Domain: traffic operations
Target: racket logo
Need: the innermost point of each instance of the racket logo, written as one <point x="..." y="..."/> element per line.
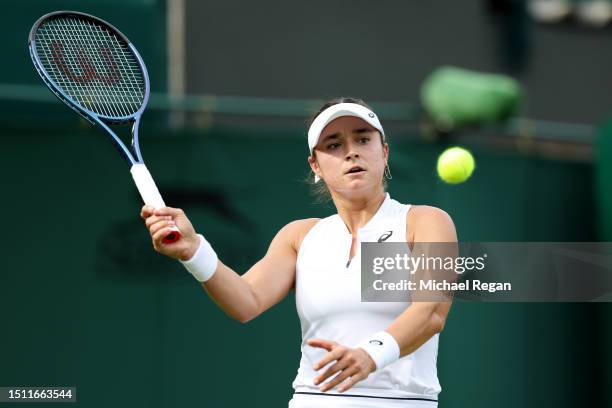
<point x="89" y="72"/>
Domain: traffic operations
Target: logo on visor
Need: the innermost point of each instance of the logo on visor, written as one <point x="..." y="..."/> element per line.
<point x="371" y="115"/>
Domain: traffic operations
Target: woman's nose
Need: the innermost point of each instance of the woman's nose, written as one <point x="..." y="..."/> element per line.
<point x="352" y="154"/>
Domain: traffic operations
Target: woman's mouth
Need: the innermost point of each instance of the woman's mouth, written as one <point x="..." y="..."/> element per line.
<point x="355" y="170"/>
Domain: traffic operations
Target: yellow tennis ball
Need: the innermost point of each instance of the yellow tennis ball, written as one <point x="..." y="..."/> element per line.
<point x="455" y="165"/>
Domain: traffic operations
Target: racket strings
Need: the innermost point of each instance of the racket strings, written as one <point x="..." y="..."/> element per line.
<point x="92" y="65"/>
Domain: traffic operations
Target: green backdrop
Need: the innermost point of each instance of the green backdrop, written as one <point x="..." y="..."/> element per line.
<point x="86" y="302"/>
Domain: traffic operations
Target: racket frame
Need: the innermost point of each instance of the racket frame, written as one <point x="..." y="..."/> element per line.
<point x="132" y="157"/>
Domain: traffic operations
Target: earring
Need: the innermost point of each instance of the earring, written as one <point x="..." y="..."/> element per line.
<point x="387" y="173"/>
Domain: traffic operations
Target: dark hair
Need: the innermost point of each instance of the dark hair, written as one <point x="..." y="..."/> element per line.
<point x="319" y="190"/>
<point x="335" y="101"/>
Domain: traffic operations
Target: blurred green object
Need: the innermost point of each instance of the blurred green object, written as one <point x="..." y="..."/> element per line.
<point x="455" y="97"/>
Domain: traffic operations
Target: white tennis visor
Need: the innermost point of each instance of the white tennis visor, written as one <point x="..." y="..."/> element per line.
<point x="336" y="111"/>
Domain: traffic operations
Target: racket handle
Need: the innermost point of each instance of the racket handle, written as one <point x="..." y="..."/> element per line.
<point x="151" y="196"/>
<point x="173" y="236"/>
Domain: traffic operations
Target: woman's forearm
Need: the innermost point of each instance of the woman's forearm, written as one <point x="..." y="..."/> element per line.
<point x="232" y="294"/>
<point x="417" y="324"/>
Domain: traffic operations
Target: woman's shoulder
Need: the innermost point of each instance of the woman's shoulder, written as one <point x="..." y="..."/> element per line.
<point x="427" y="213"/>
<point x="303" y="224"/>
<point x="296" y="230"/>
<point x="430" y="220"/>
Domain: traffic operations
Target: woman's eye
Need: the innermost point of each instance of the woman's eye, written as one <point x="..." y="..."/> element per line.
<point x="333" y="146"/>
<point x="364" y="140"/>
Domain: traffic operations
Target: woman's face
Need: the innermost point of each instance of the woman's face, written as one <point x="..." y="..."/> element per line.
<point x="350" y="155"/>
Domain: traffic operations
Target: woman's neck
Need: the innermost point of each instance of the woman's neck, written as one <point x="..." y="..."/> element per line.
<point x="357" y="211"/>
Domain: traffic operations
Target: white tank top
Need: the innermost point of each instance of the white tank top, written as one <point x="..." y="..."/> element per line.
<point x="328" y="302"/>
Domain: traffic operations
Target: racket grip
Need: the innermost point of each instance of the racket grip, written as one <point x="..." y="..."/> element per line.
<point x="151" y="196"/>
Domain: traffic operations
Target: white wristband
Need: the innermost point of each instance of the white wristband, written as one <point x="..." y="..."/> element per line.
<point x="203" y="263"/>
<point x="382" y="347"/>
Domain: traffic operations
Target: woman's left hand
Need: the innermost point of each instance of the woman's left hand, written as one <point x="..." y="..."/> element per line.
<point x="354" y="364"/>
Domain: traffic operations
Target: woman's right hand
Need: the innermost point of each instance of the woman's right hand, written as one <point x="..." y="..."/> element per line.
<point x="160" y="223"/>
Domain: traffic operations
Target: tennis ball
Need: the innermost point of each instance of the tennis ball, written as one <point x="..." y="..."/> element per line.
<point x="455" y="165"/>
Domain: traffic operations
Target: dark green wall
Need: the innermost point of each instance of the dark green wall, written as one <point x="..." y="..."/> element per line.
<point x="86" y="302"/>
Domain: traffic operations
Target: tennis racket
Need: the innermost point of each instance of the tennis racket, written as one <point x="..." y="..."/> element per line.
<point x="95" y="70"/>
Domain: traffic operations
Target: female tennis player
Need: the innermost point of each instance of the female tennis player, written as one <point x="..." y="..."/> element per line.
<point x="354" y="354"/>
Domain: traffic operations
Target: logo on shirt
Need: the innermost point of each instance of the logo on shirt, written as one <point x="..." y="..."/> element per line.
<point x="385" y="236"/>
<point x="376" y="342"/>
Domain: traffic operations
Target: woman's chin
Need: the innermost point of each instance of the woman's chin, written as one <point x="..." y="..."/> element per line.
<point x="356" y="186"/>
